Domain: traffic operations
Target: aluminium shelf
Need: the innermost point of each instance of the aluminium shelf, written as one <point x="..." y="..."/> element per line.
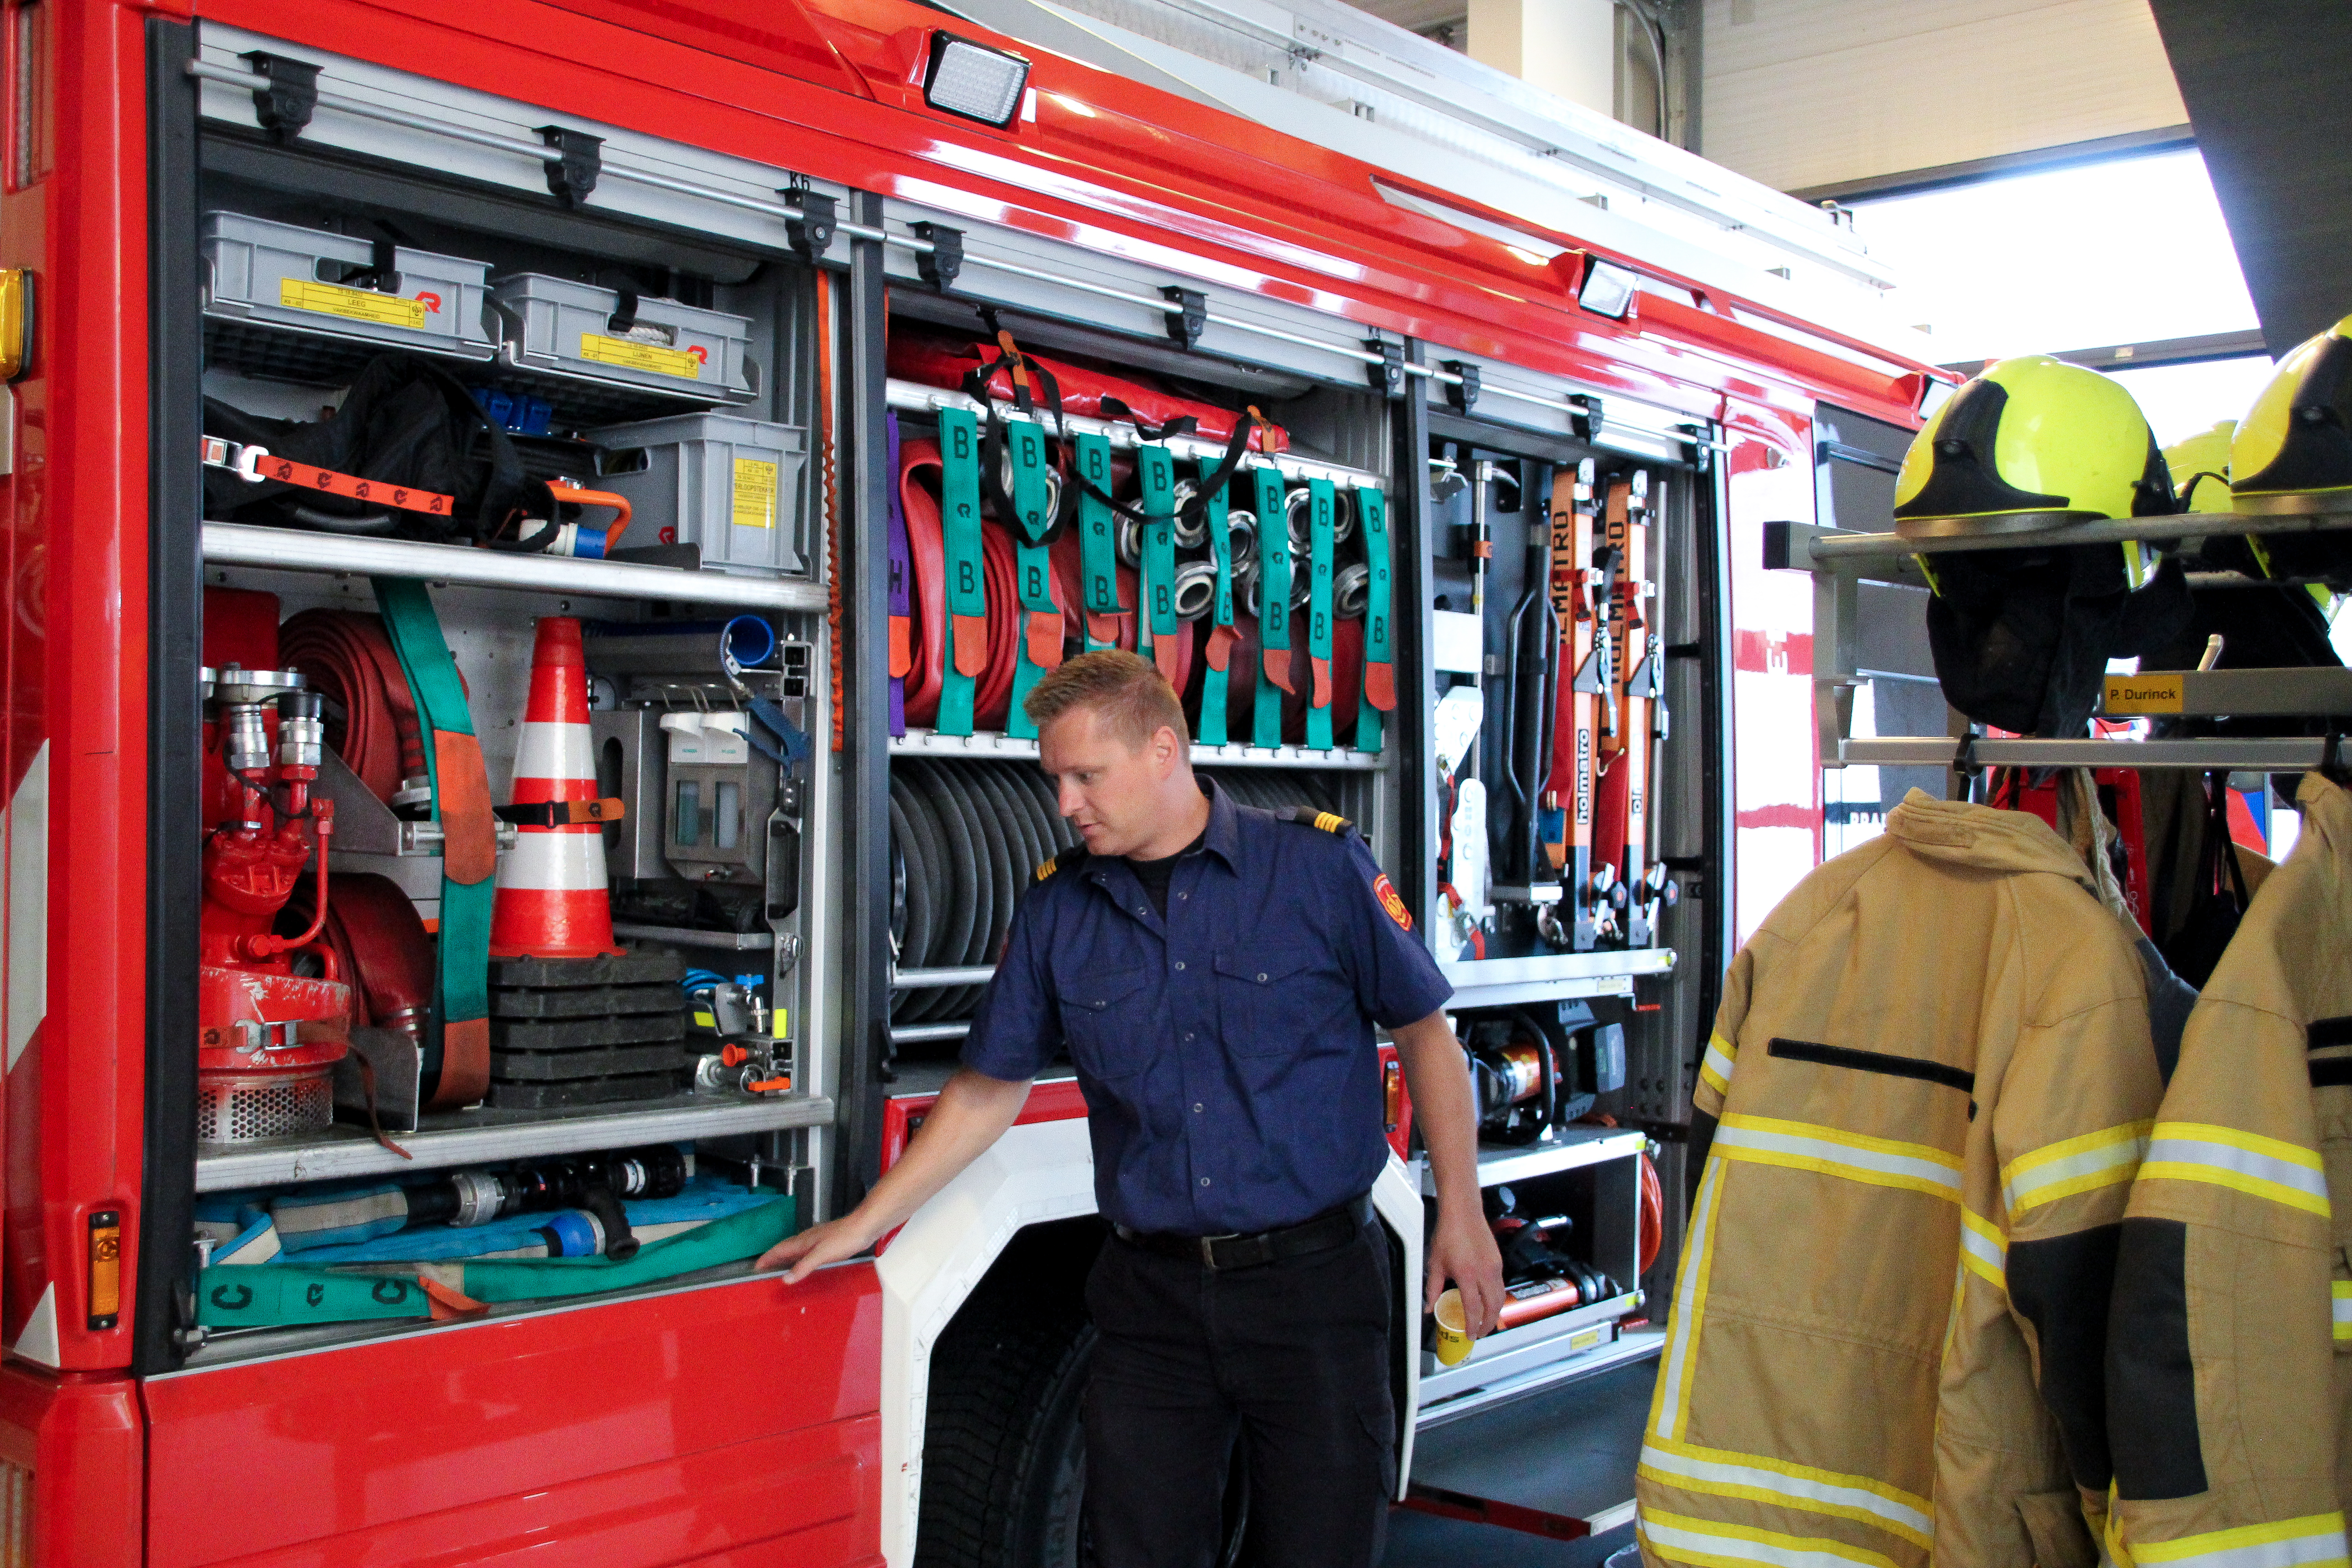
<point x="990" y="743"/>
<point x="1499" y="981"/>
<point x="344" y="1151"/>
<point x="1571" y="1148"/>
<point x="1509" y="1353"/>
<point x="295" y="550"/>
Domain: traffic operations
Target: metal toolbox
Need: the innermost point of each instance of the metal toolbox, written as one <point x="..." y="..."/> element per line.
<point x="730" y="485"/>
<point x="308" y="281"/>
<point x="576" y="329"/>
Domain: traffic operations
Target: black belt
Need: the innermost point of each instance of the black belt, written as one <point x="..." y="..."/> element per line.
<point x="1333" y="1227"/>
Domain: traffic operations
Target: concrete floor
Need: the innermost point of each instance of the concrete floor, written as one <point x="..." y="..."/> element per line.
<point x="1569" y="1450"/>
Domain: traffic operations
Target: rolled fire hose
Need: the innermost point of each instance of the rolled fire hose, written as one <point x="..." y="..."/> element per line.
<point x="346" y="655"/>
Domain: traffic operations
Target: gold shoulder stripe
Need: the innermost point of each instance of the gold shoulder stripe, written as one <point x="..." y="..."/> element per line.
<point x="1329" y="822"/>
<point x="1045" y="867"/>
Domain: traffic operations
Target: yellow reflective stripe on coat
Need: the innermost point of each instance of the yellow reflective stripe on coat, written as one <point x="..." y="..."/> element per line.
<point x="2314" y="1542"/>
<point x="1984" y="1251"/>
<point x="2340" y="1291"/>
<point x="2244" y="1161"/>
<point x="2103" y="1159"/>
<point x="1708" y="1544"/>
<point x="1715" y="1068"/>
<point x="1779" y="1483"/>
<point x="1834" y="1152"/>
<point x="1690" y="1304"/>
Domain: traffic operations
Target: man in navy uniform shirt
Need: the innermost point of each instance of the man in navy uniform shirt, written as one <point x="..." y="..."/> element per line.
<point x="1214" y="972"/>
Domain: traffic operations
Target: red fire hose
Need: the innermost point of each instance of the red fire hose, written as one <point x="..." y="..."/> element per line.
<point x="346" y="656"/>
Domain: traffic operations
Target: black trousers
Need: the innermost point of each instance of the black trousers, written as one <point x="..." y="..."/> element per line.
<point x="1290" y="1359"/>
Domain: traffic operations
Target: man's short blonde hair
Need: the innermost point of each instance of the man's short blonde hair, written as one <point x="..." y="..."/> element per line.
<point x="1129" y="694"/>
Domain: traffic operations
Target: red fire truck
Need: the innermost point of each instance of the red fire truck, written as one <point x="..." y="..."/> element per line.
<point x="1525" y="471"/>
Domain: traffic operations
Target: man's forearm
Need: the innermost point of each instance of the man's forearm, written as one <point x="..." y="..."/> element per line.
<point x="1439" y="1080"/>
<point x="972" y="1112"/>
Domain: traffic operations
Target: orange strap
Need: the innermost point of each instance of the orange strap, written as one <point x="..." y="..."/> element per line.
<point x="1046" y="638"/>
<point x="1220" y="646"/>
<point x="970" y="635"/>
<point x="257" y="463"/>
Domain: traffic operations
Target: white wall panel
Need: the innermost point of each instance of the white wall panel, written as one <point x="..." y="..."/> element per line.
<point x="1802" y="93"/>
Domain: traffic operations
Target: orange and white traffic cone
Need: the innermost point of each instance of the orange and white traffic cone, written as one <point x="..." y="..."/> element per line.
<point x="551" y="901"/>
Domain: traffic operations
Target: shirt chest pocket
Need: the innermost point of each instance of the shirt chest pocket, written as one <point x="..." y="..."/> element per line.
<point x="1107" y="1016"/>
<point x="1276" y="1001"/>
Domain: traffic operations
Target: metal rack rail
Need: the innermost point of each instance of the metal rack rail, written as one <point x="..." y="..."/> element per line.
<point x="987" y="744"/>
<point x="292" y="550"/>
<point x="914" y="397"/>
<point x="1840" y="561"/>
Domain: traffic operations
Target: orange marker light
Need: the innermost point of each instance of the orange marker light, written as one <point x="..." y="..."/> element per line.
<point x="105" y="1268"/>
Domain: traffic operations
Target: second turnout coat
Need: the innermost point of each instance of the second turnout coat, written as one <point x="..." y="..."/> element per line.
<point x="2231" y="1351"/>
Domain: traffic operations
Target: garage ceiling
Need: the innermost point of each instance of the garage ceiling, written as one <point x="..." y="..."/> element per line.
<point x="2265" y="84"/>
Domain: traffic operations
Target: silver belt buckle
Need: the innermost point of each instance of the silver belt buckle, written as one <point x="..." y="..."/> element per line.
<point x="1208" y="1247"/>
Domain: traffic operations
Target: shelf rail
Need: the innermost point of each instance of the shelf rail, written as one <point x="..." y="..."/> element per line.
<point x="1840" y="561"/>
<point x="294" y="550"/>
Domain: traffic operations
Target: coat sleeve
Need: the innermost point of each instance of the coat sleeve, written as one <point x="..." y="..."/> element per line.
<point x="2070" y="1121"/>
<point x="2221" y="1354"/>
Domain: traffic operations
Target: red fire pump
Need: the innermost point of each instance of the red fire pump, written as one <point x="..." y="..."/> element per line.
<point x="267" y="1036"/>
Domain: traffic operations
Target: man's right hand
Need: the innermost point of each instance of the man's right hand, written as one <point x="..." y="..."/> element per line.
<point x="817" y="1246"/>
<point x="970" y="1114"/>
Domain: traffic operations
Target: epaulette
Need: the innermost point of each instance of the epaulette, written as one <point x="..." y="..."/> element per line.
<point x="1061" y="860"/>
<point x="1329" y="821"/>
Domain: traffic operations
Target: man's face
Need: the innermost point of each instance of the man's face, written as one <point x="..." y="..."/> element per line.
<point x="1114" y="794"/>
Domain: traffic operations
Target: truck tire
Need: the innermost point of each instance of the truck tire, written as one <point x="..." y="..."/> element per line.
<point x="1005" y="1445"/>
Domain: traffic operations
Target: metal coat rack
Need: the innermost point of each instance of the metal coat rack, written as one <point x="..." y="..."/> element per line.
<point x="1841" y="559"/>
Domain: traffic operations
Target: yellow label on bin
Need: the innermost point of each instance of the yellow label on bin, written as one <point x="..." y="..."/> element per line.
<point x="755" y="493"/>
<point x="351" y="304"/>
<point x="631" y="354"/>
<point x="1583" y="1339"/>
<point x="2156" y="693"/>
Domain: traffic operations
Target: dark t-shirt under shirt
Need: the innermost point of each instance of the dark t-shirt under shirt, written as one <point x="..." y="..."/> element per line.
<point x="1154" y="874"/>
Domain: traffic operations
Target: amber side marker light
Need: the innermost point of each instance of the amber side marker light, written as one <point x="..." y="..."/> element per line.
<point x="105" y="1268"/>
<point x="16" y="322"/>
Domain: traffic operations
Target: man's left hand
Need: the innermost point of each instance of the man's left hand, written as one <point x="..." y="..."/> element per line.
<point x="1463" y="1250"/>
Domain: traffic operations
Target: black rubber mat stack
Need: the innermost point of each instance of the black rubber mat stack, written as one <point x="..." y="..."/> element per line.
<point x="967" y="837"/>
<point x="592" y="1031"/>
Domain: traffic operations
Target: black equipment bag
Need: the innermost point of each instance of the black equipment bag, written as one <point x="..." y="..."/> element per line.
<point x="406" y="421"/>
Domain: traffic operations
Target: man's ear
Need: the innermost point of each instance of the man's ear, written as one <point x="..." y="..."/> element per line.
<point x="1165" y="750"/>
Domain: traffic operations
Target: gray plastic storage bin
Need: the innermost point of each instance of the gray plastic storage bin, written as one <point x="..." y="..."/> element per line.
<point x="558" y="325"/>
<point x="284" y="274"/>
<point x="731" y="485"/>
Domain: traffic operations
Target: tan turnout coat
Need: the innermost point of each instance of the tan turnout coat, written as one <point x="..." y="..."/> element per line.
<point x="2227" y="1369"/>
<point x="1933" y="1077"/>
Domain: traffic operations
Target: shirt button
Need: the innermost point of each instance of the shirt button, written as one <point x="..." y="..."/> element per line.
<point x="1179" y="963"/>
<point x="1188" y="1035"/>
<point x="1197" y="1106"/>
<point x="1181" y="896"/>
<point x="1261" y="979"/>
<point x="1204" y="1181"/>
